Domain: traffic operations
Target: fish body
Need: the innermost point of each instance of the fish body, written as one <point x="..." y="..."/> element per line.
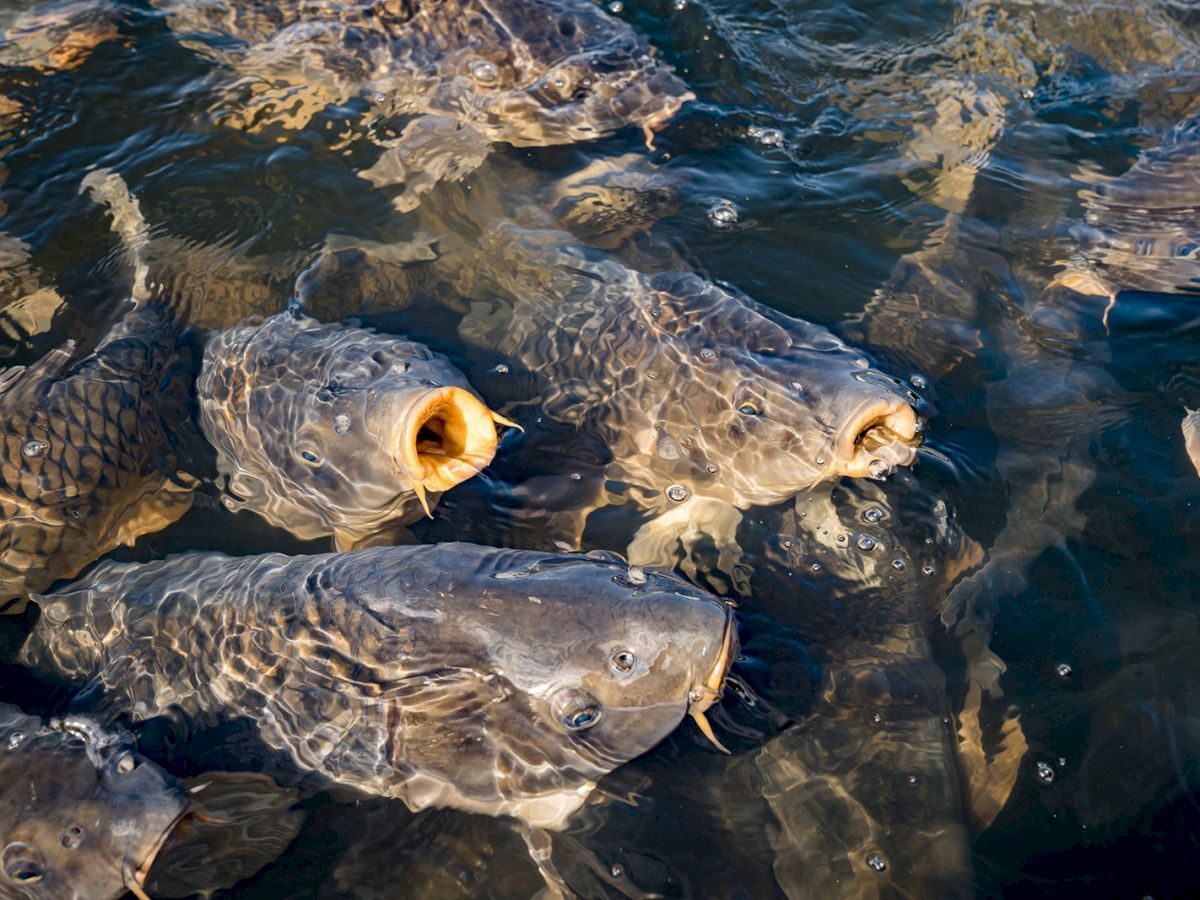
<point x="494" y="681"/>
<point x="1191" y="437"/>
<point x="444" y="79"/>
<point x="82" y="813"/>
<point x="86" y="464"/>
<point x="701" y="396"/>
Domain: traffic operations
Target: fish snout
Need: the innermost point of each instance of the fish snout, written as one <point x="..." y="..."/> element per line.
<point x="880" y="435"/>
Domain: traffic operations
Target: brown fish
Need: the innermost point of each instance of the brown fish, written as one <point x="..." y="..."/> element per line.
<point x="1191" y="436"/>
<point x="495" y="681"/>
<point x="82" y="814"/>
<point x="445" y="79"/>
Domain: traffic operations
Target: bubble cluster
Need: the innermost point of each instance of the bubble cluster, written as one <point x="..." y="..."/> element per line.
<point x="768" y="137"/>
<point x="723" y="214"/>
<point x="1045" y="772"/>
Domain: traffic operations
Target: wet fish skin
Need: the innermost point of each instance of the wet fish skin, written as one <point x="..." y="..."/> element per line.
<point x="687" y="382"/>
<point x="81" y="812"/>
<point x="85" y="465"/>
<point x="459" y="75"/>
<point x="444" y="675"/>
<point x="326" y="429"/>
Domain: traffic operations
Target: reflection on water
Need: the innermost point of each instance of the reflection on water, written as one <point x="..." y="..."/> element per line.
<point x="975" y="677"/>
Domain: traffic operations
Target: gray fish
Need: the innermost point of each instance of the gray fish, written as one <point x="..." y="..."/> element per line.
<point x="452" y="77"/>
<point x="494" y="681"/>
<point x="322" y="429"/>
<point x="82" y="814"/>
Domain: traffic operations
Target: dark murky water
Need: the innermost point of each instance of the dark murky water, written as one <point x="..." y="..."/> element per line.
<point x="866" y="149"/>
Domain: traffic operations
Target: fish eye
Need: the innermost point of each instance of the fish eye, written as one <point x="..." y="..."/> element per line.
<point x="126" y="763"/>
<point x="622" y="660"/>
<point x="582" y="718"/>
<point x="749" y="408"/>
<point x="576" y="710"/>
<point x="72" y="837"/>
<point x="23" y="864"/>
<point x="309" y="457"/>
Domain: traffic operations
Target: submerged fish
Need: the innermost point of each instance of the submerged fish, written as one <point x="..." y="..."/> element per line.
<point x="55" y="36"/>
<point x="82" y="814"/>
<point x="494" y="681"/>
<point x="444" y="79"/>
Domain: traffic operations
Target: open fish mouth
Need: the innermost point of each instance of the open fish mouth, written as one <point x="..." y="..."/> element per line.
<point x="708" y="692"/>
<point x="880" y="436"/>
<point x="446" y="436"/>
<point x="134" y="877"/>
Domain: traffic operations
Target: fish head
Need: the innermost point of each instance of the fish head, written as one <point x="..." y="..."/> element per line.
<point x="562" y="71"/>
<point x="765" y="405"/>
<point x="546" y="672"/>
<point x="325" y="429"/>
<point x="80" y="815"/>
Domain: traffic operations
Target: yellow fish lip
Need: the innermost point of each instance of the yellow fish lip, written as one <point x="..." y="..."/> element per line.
<point x="446" y="436"/>
<point x="710" y="690"/>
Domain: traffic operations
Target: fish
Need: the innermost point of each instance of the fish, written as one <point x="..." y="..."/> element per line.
<point x="493" y="681"/>
<point x="706" y="402"/>
<point x="82" y="813"/>
<point x="323" y="429"/>
<point x="1139" y="230"/>
<point x="444" y="80"/>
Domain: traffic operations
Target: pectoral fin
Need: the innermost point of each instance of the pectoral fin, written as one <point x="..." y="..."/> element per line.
<point x="429" y="150"/>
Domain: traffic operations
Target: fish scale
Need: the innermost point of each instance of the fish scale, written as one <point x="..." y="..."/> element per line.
<point x="101" y="451"/>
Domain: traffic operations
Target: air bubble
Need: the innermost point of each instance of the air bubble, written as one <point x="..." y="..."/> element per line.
<point x="1064" y="670"/>
<point x="708" y="354"/>
<point x="575" y="476"/>
<point x="866" y="542"/>
<point x="898" y="564"/>
<point x="16" y="739"/>
<point x="636" y="575"/>
<point x="927" y="569"/>
<point x="879" y="469"/>
<point x="34" y="448"/>
<point x="1026" y="93"/>
<point x="797" y="387"/>
<point x="862" y="363"/>
<point x="872" y="514"/>
<point x="877" y="718"/>
<point x="616" y="7"/>
<point x="876" y="863"/>
<point x="723" y="214"/>
<point x="711" y="468"/>
<point x="1045" y="772"/>
<point x="617" y="871"/>
<point x="500" y="369"/>
<point x="841" y="539"/>
<point x="918" y="381"/>
<point x="677" y="5"/>
<point x="820" y="460"/>
<point x="341" y="424"/>
<point x="677" y="492"/>
<point x="816" y="567"/>
<point x="912" y="779"/>
<point x="484" y="71"/>
<point x="768" y="137"/>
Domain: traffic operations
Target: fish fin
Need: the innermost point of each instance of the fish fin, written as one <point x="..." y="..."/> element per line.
<point x="987" y="783"/>
<point x="239" y="822"/>
<point x="430" y="149"/>
<point x="343" y="541"/>
<point x="540" y="844"/>
<point x="49" y="367"/>
<point x="669" y="539"/>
